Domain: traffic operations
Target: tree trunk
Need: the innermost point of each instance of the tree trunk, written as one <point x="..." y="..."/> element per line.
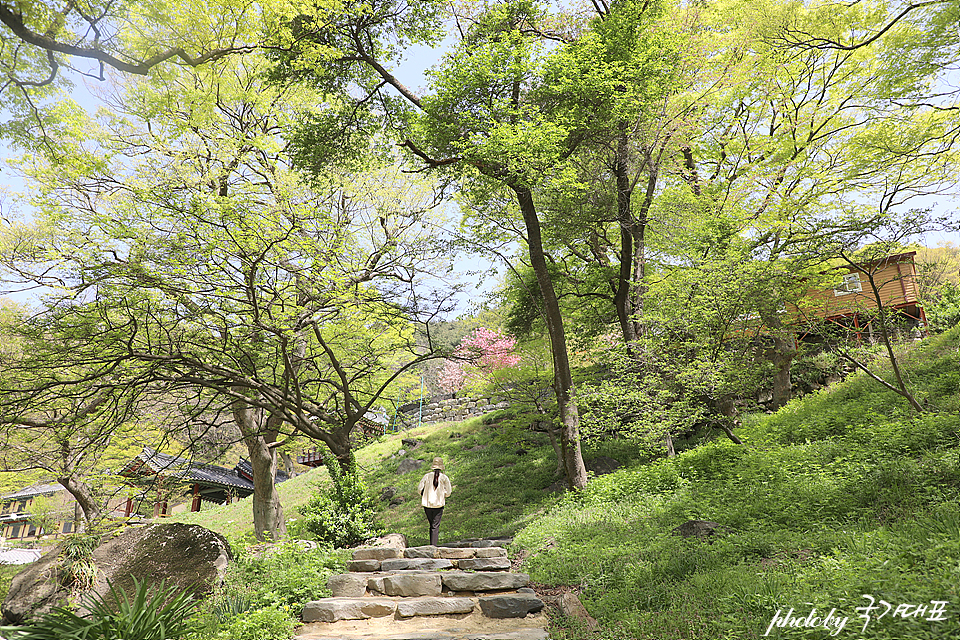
<point x="338" y="441"/>
<point x="268" y="522"/>
<point x="668" y="444"/>
<point x="629" y="297"/>
<point x="901" y="386"/>
<point x="727" y="409"/>
<point x="781" y="356"/>
<point x="638" y="289"/>
<point x="288" y="465"/>
<point x="622" y="298"/>
<point x="552" y="433"/>
<point x="885" y="337"/>
<point x="574" y="468"/>
<point x="83" y="494"/>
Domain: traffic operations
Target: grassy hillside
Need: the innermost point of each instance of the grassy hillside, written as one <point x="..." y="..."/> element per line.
<point x="842" y="493"/>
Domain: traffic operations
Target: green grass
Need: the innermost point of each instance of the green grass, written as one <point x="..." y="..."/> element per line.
<point x="7" y="572"/>
<point x="235" y="520"/>
<point x="842" y="493"/>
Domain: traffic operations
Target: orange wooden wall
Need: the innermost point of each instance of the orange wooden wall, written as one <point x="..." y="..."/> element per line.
<point x="894" y="277"/>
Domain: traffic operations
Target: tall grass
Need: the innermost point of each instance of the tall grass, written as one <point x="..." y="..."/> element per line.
<point x="843" y="493"/>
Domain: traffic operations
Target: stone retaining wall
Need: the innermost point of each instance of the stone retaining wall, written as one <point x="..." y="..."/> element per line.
<point x="448" y="408"/>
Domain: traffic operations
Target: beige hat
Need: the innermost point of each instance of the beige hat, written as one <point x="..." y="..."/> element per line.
<point x="437" y="464"/>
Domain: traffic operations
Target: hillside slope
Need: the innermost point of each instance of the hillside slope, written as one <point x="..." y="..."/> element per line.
<point x="842" y="493"/>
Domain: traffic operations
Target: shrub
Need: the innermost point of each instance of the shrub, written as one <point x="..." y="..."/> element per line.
<point x="160" y="615"/>
<point x="345" y="515"/>
<point x="271" y="623"/>
<point x="288" y="575"/>
<point x="942" y="308"/>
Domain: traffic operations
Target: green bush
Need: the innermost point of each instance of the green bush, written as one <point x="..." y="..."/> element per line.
<point x="262" y="587"/>
<point x="271" y="623"/>
<point x="286" y="576"/>
<point x="345" y="514"/>
<point x="942" y="308"/>
<point x="162" y="614"/>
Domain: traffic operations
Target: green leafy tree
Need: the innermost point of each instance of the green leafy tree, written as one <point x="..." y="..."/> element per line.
<point x="70" y="422"/>
<point x="491" y="122"/>
<point x="183" y="242"/>
<point x="40" y="41"/>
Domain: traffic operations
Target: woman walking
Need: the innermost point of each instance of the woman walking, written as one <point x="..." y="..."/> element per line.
<point x="434" y="489"/>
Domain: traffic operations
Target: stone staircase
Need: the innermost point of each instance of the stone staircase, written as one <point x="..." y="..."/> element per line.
<point x="460" y="591"/>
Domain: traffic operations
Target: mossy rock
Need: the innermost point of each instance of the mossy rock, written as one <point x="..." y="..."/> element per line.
<point x="183" y="555"/>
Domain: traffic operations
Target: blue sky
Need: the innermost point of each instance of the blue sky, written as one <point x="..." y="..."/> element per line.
<point x="411" y="73"/>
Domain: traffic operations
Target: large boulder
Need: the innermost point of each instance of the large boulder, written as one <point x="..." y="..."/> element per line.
<point x="602" y="465"/>
<point x="37" y="589"/>
<point x="702" y="529"/>
<point x="409" y="465"/>
<point x="181" y="555"/>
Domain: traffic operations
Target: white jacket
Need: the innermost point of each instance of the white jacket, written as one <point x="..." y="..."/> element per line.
<point x="434" y="497"/>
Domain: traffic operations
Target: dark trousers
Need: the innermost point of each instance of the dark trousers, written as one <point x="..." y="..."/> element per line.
<point x="433" y="517"/>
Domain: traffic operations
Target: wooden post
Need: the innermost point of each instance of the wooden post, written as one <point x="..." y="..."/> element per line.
<point x="158" y="505"/>
<point x="196" y="498"/>
<point x="923" y="318"/>
<point x="128" y="508"/>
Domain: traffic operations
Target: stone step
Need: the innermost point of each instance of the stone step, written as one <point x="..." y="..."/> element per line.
<point x="410" y="607"/>
<point x="454" y="553"/>
<point x="335" y="609"/>
<point x="423" y="583"/>
<point x="428" y="564"/>
<point x="478" y="543"/>
<point x="428" y="551"/>
<point x="329" y="610"/>
<point x="473" y="626"/>
<point x="459" y="591"/>
<point x="399" y="564"/>
<point x="464" y="581"/>
<point x="525" y="634"/>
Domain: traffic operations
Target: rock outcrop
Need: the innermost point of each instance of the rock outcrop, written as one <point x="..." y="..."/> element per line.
<point x="182" y="555"/>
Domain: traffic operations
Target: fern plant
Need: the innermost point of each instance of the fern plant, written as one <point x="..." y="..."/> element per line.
<point x="77" y="554"/>
<point x="160" y="614"/>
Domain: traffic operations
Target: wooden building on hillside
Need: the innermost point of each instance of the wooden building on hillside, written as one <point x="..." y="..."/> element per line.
<point x="17" y="518"/>
<point x="169" y="474"/>
<point x="852" y="304"/>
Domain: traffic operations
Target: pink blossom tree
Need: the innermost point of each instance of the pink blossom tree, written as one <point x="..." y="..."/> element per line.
<point x="480" y="353"/>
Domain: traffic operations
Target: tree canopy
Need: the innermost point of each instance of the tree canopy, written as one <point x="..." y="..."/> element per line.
<point x="254" y="225"/>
